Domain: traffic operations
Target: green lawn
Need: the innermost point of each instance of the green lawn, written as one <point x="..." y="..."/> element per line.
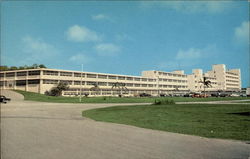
<point x="43" y="98"/>
<point x="213" y="121"/>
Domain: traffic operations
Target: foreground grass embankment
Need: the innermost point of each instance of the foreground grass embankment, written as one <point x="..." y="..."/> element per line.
<point x="43" y="98"/>
<point x="213" y="121"/>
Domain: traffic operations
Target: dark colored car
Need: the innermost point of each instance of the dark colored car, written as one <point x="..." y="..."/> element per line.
<point x="144" y="95"/>
<point x="4" y="99"/>
<point x="187" y="95"/>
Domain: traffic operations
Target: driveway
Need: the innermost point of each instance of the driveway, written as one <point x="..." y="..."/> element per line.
<point x="36" y="130"/>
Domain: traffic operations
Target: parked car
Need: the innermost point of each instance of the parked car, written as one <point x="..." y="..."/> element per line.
<point x="4" y="99"/>
<point x="187" y="95"/>
<point x="195" y="95"/>
<point x="234" y="95"/>
<point x="144" y="95"/>
<point x="163" y="95"/>
<point x="243" y="95"/>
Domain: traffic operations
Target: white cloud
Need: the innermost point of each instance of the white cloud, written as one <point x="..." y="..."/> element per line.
<point x="191" y="53"/>
<point x="78" y="33"/>
<point x="100" y="17"/>
<point x="107" y="49"/>
<point x="36" y="50"/>
<point x="80" y="59"/>
<point x="189" y="57"/>
<point x="35" y="45"/>
<point x="191" y="6"/>
<point x="122" y="37"/>
<point x="242" y="32"/>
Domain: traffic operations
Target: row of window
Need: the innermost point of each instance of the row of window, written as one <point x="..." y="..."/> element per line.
<point x="22" y="82"/>
<point x="171" y="74"/>
<point x="232" y="81"/>
<point x="172" y="80"/>
<point x="230" y="73"/>
<point x="110" y="84"/>
<point x="23" y="73"/>
<point x="88" y="75"/>
<point x="232" y="77"/>
<point x="172" y="86"/>
<point x="232" y="84"/>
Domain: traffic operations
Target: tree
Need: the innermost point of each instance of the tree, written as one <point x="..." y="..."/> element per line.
<point x="206" y="84"/>
<point x="35" y="66"/>
<point x="4" y="68"/>
<point x="42" y="66"/>
<point x="13" y="68"/>
<point x="120" y="87"/>
<point x="95" y="88"/>
<point x="57" y="91"/>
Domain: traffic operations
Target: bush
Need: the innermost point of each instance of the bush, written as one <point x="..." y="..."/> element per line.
<point x="163" y="102"/>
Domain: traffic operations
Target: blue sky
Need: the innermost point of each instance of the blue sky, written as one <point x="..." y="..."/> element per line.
<point x="126" y="37"/>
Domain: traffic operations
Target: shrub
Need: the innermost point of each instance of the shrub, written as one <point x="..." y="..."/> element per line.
<point x="163" y="102"/>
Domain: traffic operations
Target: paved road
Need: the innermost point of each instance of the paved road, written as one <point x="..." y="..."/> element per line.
<point x="35" y="130"/>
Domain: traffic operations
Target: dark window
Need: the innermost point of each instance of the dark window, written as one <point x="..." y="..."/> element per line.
<point x="102" y="76"/>
<point x="1" y="74"/>
<point x="121" y="78"/>
<point x="65" y="74"/>
<point x="20" y="82"/>
<point x="36" y="81"/>
<point x="21" y="73"/>
<point x="52" y="73"/>
<point x="1" y="83"/>
<point x="11" y="74"/>
<point x="112" y="77"/>
<point x="67" y="82"/>
<point x="33" y="73"/>
<point x="77" y="74"/>
<point x="130" y="78"/>
<point x="91" y="75"/>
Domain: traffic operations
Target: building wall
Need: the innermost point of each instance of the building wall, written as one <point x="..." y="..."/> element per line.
<point x="152" y="82"/>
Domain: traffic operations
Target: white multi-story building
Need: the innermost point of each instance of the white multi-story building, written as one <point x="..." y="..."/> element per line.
<point x="152" y="82"/>
<point x="221" y="79"/>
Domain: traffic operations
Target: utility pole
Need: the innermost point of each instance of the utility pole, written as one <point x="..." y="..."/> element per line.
<point x="80" y="99"/>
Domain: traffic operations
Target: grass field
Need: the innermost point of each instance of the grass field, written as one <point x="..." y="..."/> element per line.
<point x="43" y="98"/>
<point x="213" y="121"/>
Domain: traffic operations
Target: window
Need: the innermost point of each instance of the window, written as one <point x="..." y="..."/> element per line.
<point x="102" y="76"/>
<point x="36" y="81"/>
<point x="67" y="82"/>
<point x="102" y="83"/>
<point x="144" y="79"/>
<point x="33" y="73"/>
<point x="130" y="78"/>
<point x="144" y="85"/>
<point x="11" y="74"/>
<point x="129" y="84"/>
<point x="51" y="73"/>
<point x="112" y="77"/>
<point x="78" y="83"/>
<point x="77" y="74"/>
<point x="91" y="75"/>
<point x="1" y="74"/>
<point x="90" y="83"/>
<point x="47" y="81"/>
<point x="1" y="83"/>
<point x="150" y="85"/>
<point x="65" y="73"/>
<point x="20" y="82"/>
<point x="137" y="79"/>
<point x="21" y="73"/>
<point x="151" y="80"/>
<point x="121" y="78"/>
<point x="137" y="85"/>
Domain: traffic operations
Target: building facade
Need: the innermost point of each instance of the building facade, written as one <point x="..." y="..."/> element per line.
<point x="152" y="82"/>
